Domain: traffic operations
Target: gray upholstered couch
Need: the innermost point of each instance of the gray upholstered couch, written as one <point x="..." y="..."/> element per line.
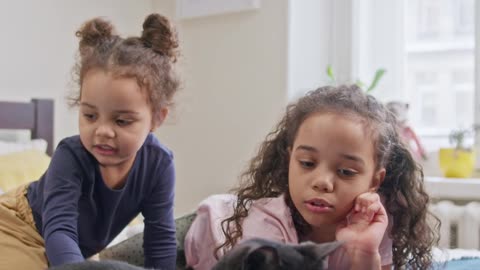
<point x="131" y="250"/>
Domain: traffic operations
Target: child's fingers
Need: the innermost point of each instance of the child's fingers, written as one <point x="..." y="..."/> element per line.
<point x="372" y="210"/>
<point x="364" y="200"/>
<point x="369" y="197"/>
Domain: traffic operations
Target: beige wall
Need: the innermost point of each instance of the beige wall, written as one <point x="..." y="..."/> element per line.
<point x="235" y="72"/>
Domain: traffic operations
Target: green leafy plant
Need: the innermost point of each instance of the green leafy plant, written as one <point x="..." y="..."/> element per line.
<point x="367" y="88"/>
<point x="457" y="137"/>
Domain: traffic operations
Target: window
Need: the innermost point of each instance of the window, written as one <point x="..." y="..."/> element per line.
<point x="426" y="46"/>
<point x="440" y="61"/>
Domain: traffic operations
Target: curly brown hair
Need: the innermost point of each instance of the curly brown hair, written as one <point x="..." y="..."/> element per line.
<point x="149" y="58"/>
<point x="413" y="232"/>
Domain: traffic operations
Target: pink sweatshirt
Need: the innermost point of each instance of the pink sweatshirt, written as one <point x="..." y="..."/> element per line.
<point x="268" y="218"/>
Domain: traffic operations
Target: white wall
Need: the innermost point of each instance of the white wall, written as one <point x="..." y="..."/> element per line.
<point x="39" y="45"/>
<point x="235" y="72"/>
<point x="310" y="45"/>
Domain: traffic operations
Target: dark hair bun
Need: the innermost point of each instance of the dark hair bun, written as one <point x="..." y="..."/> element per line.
<point x="94" y="32"/>
<point x="159" y="35"/>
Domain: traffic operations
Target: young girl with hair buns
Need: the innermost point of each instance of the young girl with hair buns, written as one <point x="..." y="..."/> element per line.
<point x="99" y="180"/>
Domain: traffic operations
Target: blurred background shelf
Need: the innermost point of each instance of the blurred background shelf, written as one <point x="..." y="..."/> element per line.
<point x="457" y="189"/>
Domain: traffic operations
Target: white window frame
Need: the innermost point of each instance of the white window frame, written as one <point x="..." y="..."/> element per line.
<point x="357" y="60"/>
<point x="477" y="81"/>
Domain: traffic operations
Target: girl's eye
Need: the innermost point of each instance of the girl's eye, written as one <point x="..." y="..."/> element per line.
<point x="122" y="122"/>
<point x="347" y="172"/>
<point x="306" y="164"/>
<point x="90" y="116"/>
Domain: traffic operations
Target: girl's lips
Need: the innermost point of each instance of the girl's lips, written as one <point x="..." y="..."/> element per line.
<point x="104" y="149"/>
<point x="318" y="206"/>
<point x="319" y="202"/>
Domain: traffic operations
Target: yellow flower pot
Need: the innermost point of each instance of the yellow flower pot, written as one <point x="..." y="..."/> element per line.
<point x="456" y="163"/>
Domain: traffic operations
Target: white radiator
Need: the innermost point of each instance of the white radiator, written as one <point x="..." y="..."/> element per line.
<point x="460" y="224"/>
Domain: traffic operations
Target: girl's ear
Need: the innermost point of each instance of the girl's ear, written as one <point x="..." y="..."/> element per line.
<point x="377" y="179"/>
<point x="159" y="118"/>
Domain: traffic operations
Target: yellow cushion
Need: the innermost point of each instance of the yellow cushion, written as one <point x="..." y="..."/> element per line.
<point x="21" y="167"/>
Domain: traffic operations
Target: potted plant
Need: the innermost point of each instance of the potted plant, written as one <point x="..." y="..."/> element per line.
<point x="458" y="161"/>
<point x="376" y="78"/>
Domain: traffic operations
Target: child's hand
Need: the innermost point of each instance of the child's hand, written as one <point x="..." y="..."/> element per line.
<point x="365" y="226"/>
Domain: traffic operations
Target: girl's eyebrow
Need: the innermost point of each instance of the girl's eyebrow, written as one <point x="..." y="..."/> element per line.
<point x="343" y="155"/>
<point x="353" y="158"/>
<point x="126" y="112"/>
<point x="87" y="105"/>
<point x="306" y="148"/>
<point x="117" y="111"/>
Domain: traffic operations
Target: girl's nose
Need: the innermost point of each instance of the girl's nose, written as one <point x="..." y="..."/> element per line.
<point x="104" y="130"/>
<point x="323" y="182"/>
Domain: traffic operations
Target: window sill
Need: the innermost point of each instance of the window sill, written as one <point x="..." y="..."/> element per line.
<point x="464" y="189"/>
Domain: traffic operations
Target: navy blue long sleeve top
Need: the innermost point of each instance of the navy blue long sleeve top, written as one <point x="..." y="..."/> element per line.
<point x="78" y="215"/>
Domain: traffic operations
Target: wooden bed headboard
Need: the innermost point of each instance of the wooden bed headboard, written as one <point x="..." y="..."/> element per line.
<point x="36" y="116"/>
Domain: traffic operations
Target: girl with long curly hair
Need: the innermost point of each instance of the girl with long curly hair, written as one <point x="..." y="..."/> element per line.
<point x="334" y="168"/>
